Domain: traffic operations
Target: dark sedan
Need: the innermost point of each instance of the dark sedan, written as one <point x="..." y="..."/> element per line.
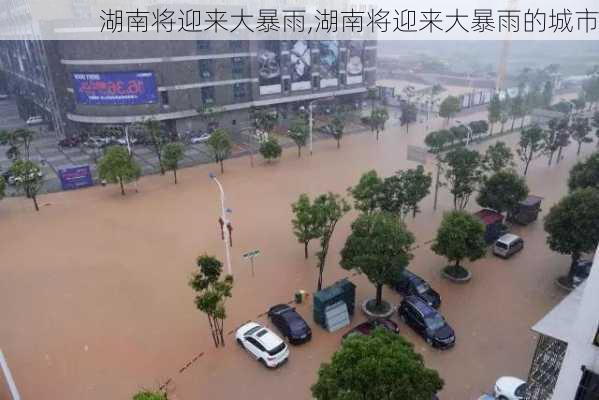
<point x="368" y="327"/>
<point x="427" y="322"/>
<point x="290" y="323"/>
<point x="411" y="284"/>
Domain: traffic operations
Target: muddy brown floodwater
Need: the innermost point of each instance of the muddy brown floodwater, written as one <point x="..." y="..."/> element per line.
<point x="95" y="304"/>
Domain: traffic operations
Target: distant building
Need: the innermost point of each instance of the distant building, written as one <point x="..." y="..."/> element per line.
<point x="565" y="365"/>
<point x="89" y="84"/>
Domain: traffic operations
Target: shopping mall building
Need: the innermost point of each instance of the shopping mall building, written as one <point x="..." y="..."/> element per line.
<point x="79" y="85"/>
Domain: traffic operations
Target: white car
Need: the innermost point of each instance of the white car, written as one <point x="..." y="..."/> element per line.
<point x="204" y="137"/>
<point x="510" y="388"/>
<point x="98" y="142"/>
<point x="262" y="344"/>
<point x="35" y="120"/>
<point x="123" y="141"/>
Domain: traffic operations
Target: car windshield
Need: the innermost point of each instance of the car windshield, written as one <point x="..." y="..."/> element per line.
<point x="422" y="288"/>
<point x="277" y="349"/>
<point x="434" y="321"/>
<point x="521" y="390"/>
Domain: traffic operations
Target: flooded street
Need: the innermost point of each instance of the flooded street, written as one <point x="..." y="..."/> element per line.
<point x="95" y="302"/>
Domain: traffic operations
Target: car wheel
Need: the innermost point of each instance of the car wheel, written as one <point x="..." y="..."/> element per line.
<point x="429" y="341"/>
<point x="239" y="342"/>
<point x="502" y="398"/>
<point x="263" y="362"/>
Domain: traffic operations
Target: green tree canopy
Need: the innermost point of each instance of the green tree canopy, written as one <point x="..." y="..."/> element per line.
<point x="416" y="185"/>
<point x="531" y="145"/>
<point x="264" y="119"/>
<point x="149" y="395"/>
<point x="156" y="136"/>
<point x="585" y="174"/>
<point x="220" y="144"/>
<point x="409" y="114"/>
<point x="378" y="119"/>
<point x="503" y="191"/>
<point x="367" y="192"/>
<point x="211" y="293"/>
<point x="305" y="223"/>
<point x="28" y="179"/>
<point x="495" y="108"/>
<point x="2" y="188"/>
<point x="298" y="132"/>
<point x="498" y="157"/>
<point x="463" y="173"/>
<point x="118" y="167"/>
<point x="270" y="149"/>
<point x="572" y="226"/>
<point x="449" y="107"/>
<point x="380" y="366"/>
<point x="337" y="128"/>
<point x="378" y="247"/>
<point x="580" y="130"/>
<point x="172" y="154"/>
<point x="460" y="236"/>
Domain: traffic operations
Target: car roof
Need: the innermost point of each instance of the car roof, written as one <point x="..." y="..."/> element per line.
<point x="281" y="309"/>
<point x="420" y="305"/>
<point x="412" y="276"/>
<point x="268" y="339"/>
<point x="508" y="238"/>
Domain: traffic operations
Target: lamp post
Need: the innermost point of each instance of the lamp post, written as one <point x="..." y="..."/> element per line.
<point x="225" y="224"/>
<point x="469" y="131"/>
<point x="310" y="116"/>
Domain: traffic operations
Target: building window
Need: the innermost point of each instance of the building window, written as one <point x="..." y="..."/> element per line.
<point x="315" y="82"/>
<point x="236" y="45"/>
<point x="237" y="67"/>
<point x="240" y="91"/>
<point x="164" y="98"/>
<point x="203" y="44"/>
<point x="588" y="389"/>
<point x="206" y="69"/>
<point x="208" y="95"/>
<point x="234" y="122"/>
<point x="286" y="85"/>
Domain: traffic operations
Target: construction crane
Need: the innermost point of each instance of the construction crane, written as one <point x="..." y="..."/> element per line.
<point x="505" y="52"/>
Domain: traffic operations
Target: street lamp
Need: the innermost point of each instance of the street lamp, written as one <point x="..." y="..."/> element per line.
<point x="310" y="116"/>
<point x="469" y="131"/>
<point x="225" y="223"/>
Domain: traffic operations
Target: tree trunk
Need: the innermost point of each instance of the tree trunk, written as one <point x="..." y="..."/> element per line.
<point x="122" y="186"/>
<point x="222" y="167"/>
<point x="299" y="151"/>
<point x="160" y="163"/>
<point x="578" y="151"/>
<point x="437" y="185"/>
<point x="306" y="250"/>
<point x="513" y="123"/>
<point x="377" y="135"/>
<point x="320" y="270"/>
<point x="572" y="270"/>
<point x="559" y="154"/>
<point x="339" y="143"/>
<point x="550" y="158"/>
<point x="212" y="330"/>
<point x="522" y="123"/>
<point x="407" y="128"/>
<point x="379" y="294"/>
<point x="175" y="173"/>
<point x="502" y="127"/>
<point x="491" y="129"/>
<point x="34" y="198"/>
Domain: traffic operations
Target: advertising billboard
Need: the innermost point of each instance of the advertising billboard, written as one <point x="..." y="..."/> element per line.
<point x="300" y="65"/>
<point x="115" y="88"/>
<point x="75" y="177"/>
<point x="269" y="67"/>
<point x="329" y="63"/>
<point x="355" y="65"/>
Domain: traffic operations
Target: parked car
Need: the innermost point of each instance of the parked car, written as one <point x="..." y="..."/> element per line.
<point x="510" y="388"/>
<point x="200" y="138"/>
<point x="34" y="120"/>
<point x="326" y="129"/>
<point x="98" y="142"/>
<point x="427" y="322"/>
<point x="123" y="140"/>
<point x="290" y="323"/>
<point x="368" y="327"/>
<point x="8" y="177"/>
<point x="582" y="269"/>
<point x="71" y="141"/>
<point x="507" y="245"/>
<point x="262" y="344"/>
<point x="411" y="284"/>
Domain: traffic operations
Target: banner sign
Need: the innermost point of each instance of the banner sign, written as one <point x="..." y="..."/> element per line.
<point x="115" y="88"/>
<point x="75" y="177"/>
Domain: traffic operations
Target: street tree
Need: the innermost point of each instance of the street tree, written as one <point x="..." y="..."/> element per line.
<point x="436" y="142"/>
<point x="2" y="188"/>
<point x="12" y="140"/>
<point x="463" y="172"/>
<point x="211" y="293"/>
<point x="298" y="132"/>
<point x="28" y="179"/>
<point x="381" y="366"/>
<point x="367" y="193"/>
<point x="378" y="119"/>
<point x="157" y="137"/>
<point x="572" y="227"/>
<point x="337" y="129"/>
<point x="373" y="96"/>
<point x="24" y="137"/>
<point x="595" y="123"/>
<point x="580" y="130"/>
<point x="497" y="157"/>
<point x="118" y="167"/>
<point x="378" y="247"/>
<point x="150" y="395"/>
<point x="502" y="191"/>
<point x="328" y="210"/>
<point x="554" y="137"/>
<point x="531" y="145"/>
<point x="495" y="108"/>
<point x="460" y="236"/>
<point x="409" y="114"/>
<point x="516" y="109"/>
<point x="220" y="144"/>
<point x="264" y="119"/>
<point x="459" y="132"/>
<point x="416" y="185"/>
<point x="172" y="154"/>
<point x="585" y="174"/>
<point x="478" y="128"/>
<point x="305" y="223"/>
<point x="449" y="107"/>
<point x="435" y="90"/>
<point x="505" y="113"/>
<point x="270" y="149"/>
<point x="547" y="95"/>
<point x="591" y="90"/>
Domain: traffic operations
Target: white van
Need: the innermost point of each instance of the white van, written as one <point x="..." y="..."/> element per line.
<point x="35" y="120"/>
<point x="507" y="245"/>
